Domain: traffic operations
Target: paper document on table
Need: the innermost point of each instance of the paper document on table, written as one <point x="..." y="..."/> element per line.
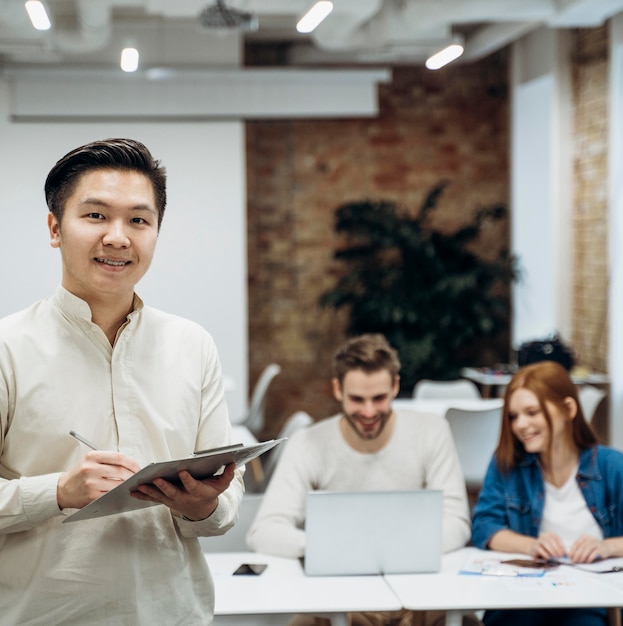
<point x="601" y="566"/>
<point x="480" y="564"/>
<point x="200" y="465"/>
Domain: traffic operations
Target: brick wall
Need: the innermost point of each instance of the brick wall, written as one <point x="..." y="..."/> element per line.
<point x="451" y="124"/>
<point x="590" y="165"/>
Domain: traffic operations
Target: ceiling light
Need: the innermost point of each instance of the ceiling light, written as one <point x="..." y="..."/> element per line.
<point x="445" y="56"/>
<point x="38" y="15"/>
<point x="129" y="59"/>
<point x="314" y="16"/>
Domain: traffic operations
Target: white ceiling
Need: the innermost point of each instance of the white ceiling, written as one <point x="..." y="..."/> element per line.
<point x="168" y="33"/>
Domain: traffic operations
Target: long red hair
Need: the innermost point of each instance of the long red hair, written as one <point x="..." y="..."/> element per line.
<point x="549" y="382"/>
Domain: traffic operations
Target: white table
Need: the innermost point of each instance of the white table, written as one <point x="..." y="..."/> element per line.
<point x="283" y="589"/>
<point x="456" y="594"/>
<point x="492" y="382"/>
<point x="440" y="407"/>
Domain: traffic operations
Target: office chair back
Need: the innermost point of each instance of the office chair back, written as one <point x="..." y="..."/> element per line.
<point x="254" y="420"/>
<point x="296" y="421"/>
<point x="590" y="398"/>
<point x="476" y="434"/>
<point x="234" y="540"/>
<point x="442" y="389"/>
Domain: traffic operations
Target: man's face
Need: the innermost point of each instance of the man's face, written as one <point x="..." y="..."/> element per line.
<point x="366" y="401"/>
<point x="108" y="234"/>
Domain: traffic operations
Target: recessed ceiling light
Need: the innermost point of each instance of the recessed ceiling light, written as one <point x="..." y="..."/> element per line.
<point x="38" y="15"/>
<point x="314" y="16"/>
<point x="445" y="56"/>
<point x="129" y="59"/>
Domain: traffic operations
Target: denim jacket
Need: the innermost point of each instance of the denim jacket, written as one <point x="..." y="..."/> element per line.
<point x="514" y="500"/>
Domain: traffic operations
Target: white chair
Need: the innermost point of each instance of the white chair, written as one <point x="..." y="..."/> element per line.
<point x="590" y="398"/>
<point x="234" y="540"/>
<point x="295" y="422"/>
<point x="461" y="388"/>
<point x="254" y="419"/>
<point x="475" y="434"/>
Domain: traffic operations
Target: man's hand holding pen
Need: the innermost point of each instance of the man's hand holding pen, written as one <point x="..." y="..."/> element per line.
<point x="97" y="473"/>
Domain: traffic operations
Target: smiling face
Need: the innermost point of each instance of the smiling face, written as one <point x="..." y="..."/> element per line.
<point x="367" y="404"/>
<point x="531" y="427"/>
<point x="108" y="234"/>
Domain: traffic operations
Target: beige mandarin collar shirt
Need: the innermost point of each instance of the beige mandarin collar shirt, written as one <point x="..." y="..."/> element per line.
<point x="156" y="395"/>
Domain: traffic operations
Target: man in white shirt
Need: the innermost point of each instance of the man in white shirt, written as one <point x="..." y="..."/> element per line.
<point x="142" y="385"/>
<point x="367" y="447"/>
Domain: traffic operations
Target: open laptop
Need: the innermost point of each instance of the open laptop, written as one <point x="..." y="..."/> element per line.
<point x="373" y="532"/>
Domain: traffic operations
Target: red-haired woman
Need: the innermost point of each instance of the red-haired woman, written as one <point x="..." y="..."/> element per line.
<point x="550" y="490"/>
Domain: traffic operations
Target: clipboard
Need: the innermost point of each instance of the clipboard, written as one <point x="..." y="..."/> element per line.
<point x="200" y="465"/>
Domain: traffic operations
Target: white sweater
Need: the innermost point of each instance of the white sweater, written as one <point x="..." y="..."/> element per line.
<point x="420" y="454"/>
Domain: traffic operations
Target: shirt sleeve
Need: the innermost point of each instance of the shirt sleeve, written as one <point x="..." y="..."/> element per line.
<point x="490" y="512"/>
<point x="443" y="471"/>
<point x="223" y="517"/>
<point x="27" y="501"/>
<point x="214" y="431"/>
<point x="278" y="525"/>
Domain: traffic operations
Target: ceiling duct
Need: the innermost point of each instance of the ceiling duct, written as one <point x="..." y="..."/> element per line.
<point x="220" y="17"/>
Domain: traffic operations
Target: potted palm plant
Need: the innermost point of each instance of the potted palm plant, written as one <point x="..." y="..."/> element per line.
<point x="425" y="290"/>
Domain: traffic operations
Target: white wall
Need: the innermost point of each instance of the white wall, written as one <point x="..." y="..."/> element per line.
<point x="199" y="270"/>
<point x="541" y="194"/>
<point x="615" y="221"/>
<point x="540" y="185"/>
<point x="194" y="124"/>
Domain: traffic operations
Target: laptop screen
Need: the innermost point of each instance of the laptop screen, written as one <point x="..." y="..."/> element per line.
<point x="373" y="532"/>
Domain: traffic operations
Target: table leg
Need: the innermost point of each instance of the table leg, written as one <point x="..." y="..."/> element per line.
<point x="454" y="618"/>
<point x="257" y="470"/>
<point x="336" y="619"/>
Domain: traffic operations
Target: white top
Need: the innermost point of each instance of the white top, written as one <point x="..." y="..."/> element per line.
<point x="420" y="454"/>
<point x="283" y="587"/>
<point x="559" y="587"/>
<point x="156" y="395"/>
<point x="566" y="513"/>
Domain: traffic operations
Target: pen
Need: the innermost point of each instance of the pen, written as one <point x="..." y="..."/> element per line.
<point x="82" y="440"/>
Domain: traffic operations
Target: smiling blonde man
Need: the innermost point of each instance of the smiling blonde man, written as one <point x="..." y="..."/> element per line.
<point x="368" y="446"/>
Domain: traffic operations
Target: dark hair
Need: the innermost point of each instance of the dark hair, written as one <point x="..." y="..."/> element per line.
<point x="369" y="352"/>
<point x="549" y="382"/>
<point x="115" y="154"/>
